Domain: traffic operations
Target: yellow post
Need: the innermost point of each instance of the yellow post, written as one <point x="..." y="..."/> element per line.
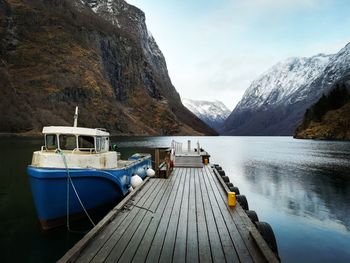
<point x="231" y="199"/>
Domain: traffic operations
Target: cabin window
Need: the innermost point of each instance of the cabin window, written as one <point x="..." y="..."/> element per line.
<point x="101" y="144"/>
<point x="51" y="142"/>
<point x="86" y="143"/>
<point x="67" y="142"/>
<point x="107" y="144"/>
<point x="98" y="144"/>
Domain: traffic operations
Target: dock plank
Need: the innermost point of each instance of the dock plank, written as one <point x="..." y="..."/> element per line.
<point x="93" y="247"/>
<point x="179" y="254"/>
<point x="133" y="245"/>
<point x="204" y="249"/>
<point x="184" y="218"/>
<point x="170" y="235"/>
<point x="161" y="212"/>
<point x="192" y="239"/>
<point x="225" y="211"/>
<point x="158" y="241"/>
<point x="257" y="245"/>
<point x="136" y="223"/>
<point x="119" y="231"/>
<point x="226" y="241"/>
<point x="238" y="215"/>
<point x="214" y="235"/>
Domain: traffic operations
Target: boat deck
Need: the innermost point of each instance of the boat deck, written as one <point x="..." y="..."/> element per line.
<point x="124" y="163"/>
<point x="188" y="160"/>
<point x="184" y="218"/>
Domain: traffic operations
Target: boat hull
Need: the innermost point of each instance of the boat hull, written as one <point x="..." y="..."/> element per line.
<point x="95" y="187"/>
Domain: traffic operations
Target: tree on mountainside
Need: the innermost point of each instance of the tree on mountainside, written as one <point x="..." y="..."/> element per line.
<point x="337" y="98"/>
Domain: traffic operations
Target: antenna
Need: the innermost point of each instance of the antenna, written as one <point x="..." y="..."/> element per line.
<point x="76" y="117"/>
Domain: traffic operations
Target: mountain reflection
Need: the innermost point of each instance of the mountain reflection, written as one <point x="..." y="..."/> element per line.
<point x="308" y="191"/>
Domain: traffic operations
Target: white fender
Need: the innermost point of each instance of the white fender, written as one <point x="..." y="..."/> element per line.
<point x="150" y="172"/>
<point x="136" y="181"/>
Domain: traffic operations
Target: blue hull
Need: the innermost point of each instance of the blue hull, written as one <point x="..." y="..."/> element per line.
<point x="95" y="187"/>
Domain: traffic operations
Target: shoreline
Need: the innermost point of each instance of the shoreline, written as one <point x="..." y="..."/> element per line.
<point x="321" y="139"/>
<point x="39" y="135"/>
<point x="36" y="135"/>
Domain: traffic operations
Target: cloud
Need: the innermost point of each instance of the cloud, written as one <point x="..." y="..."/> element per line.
<point x="216" y="48"/>
<point x="329" y="47"/>
<point x="280" y="4"/>
<point x="223" y="78"/>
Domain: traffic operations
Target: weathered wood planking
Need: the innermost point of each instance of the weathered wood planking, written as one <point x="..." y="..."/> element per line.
<point x="253" y="240"/>
<point x="108" y="220"/>
<point x="181" y="219"/>
<point x="192" y="222"/>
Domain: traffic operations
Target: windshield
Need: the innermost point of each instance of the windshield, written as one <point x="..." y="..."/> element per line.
<point x="51" y="141"/>
<point x="67" y="142"/>
<point x="86" y="142"/>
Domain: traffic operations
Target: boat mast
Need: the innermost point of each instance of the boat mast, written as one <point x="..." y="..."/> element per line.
<point x="76" y="117"/>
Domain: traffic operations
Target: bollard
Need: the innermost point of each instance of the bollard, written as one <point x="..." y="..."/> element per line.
<point x="231" y="199"/>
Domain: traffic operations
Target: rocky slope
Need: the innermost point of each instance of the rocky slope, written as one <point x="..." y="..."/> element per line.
<point x="96" y="54"/>
<point x="329" y="117"/>
<point x="213" y="113"/>
<point x="275" y="103"/>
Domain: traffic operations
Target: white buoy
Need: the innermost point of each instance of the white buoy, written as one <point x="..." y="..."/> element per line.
<point x="136" y="181"/>
<point x="150" y="172"/>
<point x="130" y="189"/>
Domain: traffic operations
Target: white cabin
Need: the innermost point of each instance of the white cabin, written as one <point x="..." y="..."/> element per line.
<point x="76" y="139"/>
<point x="82" y="148"/>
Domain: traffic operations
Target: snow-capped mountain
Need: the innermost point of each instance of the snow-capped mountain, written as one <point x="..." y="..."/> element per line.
<point x="275" y="103"/>
<point x="213" y="113"/>
<point x="282" y="81"/>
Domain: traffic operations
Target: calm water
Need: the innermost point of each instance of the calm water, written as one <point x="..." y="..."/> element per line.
<point x="302" y="188"/>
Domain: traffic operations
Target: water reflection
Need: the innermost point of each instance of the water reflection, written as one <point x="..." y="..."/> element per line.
<point x="313" y="193"/>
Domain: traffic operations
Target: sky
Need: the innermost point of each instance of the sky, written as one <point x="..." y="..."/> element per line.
<point x="214" y="49"/>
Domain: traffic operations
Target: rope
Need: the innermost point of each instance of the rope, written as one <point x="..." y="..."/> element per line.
<point x="69" y="180"/>
<point x="129" y="205"/>
<point x="144" y="208"/>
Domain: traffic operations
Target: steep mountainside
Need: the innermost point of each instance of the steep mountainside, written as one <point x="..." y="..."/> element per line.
<point x="213" y="113"/>
<point x="275" y="103"/>
<point x="329" y="117"/>
<point x="96" y="54"/>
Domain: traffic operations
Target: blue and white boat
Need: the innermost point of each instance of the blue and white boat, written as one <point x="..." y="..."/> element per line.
<point x="75" y="170"/>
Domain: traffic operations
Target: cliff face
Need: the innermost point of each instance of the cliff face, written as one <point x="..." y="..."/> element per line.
<point x="329" y="117"/>
<point x="58" y="54"/>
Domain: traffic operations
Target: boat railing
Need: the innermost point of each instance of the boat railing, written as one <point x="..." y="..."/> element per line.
<point x="178" y="148"/>
<point x="90" y="150"/>
<point x="87" y="150"/>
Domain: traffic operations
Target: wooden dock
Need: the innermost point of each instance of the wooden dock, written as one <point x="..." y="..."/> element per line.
<point x="184" y="218"/>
